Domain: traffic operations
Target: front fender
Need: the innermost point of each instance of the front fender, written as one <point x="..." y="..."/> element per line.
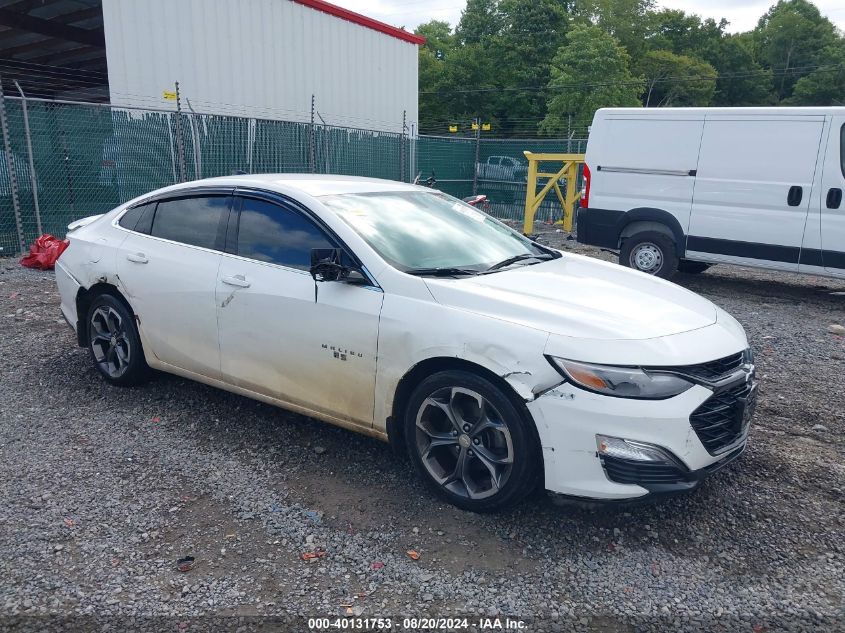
<point x="412" y="331"/>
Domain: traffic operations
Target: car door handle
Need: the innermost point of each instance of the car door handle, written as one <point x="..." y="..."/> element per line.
<point x="834" y="198"/>
<point x="793" y="198"/>
<point x="138" y="258"/>
<point x="236" y="280"/>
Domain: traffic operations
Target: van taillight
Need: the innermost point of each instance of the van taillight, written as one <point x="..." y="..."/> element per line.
<point x="585" y="195"/>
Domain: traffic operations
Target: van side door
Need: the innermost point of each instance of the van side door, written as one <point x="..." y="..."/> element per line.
<point x="832" y="203"/>
<point x="753" y="189"/>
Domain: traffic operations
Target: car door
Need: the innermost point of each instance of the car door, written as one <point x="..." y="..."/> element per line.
<point x="753" y="188"/>
<point x="832" y="204"/>
<point x="168" y="268"/>
<point x="281" y="333"/>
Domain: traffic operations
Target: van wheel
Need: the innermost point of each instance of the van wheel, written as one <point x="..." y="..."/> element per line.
<point x="470" y="443"/>
<point x="692" y="268"/>
<point x="650" y="252"/>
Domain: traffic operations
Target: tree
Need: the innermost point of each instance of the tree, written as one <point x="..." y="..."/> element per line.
<point x="741" y="80"/>
<point x="626" y="20"/>
<point x="824" y="86"/>
<point x="589" y="72"/>
<point x="677" y="80"/>
<point x="480" y="20"/>
<point x="433" y="56"/>
<point x="532" y="32"/>
<point x="683" y="33"/>
<point x="790" y="38"/>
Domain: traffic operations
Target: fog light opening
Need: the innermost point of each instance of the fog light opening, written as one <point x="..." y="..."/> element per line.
<point x="629" y="449"/>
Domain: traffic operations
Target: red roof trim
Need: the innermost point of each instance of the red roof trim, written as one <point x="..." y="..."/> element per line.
<point x="363" y="20"/>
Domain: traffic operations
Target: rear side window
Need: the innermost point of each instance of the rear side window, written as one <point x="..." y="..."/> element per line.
<point x="271" y="233"/>
<point x="842" y="148"/>
<point x="198" y="221"/>
<point x="136" y="216"/>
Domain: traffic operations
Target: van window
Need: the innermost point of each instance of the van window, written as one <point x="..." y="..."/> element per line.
<point x="842" y="148"/>
<point x="272" y="233"/>
<point x="198" y="221"/>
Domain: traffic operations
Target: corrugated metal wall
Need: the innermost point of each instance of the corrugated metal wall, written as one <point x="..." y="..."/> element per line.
<point x="258" y="58"/>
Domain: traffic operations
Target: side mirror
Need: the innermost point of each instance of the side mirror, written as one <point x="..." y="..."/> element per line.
<point x="326" y="266"/>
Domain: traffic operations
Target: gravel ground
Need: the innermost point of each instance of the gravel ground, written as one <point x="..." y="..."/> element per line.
<point x="102" y="489"/>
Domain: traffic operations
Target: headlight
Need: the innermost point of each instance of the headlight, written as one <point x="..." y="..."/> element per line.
<point x="621" y="382"/>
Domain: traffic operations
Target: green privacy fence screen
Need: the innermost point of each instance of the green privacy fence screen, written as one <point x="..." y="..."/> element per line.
<point x="89" y="158"/>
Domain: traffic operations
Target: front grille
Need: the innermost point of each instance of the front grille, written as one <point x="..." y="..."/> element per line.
<point x="714" y="369"/>
<point x="721" y="420"/>
<point x="630" y="471"/>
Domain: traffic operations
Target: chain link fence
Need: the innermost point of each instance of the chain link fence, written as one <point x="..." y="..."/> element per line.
<point x="501" y="171"/>
<point x="89" y="158"/>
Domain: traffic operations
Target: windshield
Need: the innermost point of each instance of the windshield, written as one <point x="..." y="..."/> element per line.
<point x="421" y="230"/>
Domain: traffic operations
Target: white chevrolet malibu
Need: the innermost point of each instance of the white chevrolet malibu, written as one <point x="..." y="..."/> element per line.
<point x="400" y="312"/>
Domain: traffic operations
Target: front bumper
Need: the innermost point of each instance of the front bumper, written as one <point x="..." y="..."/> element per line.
<point x="669" y="476"/>
<point x="568" y="420"/>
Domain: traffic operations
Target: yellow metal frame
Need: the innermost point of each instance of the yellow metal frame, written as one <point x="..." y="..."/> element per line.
<point x="533" y="198"/>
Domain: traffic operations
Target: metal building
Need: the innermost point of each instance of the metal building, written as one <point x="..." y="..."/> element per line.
<point x="262" y="58"/>
<point x="249" y="58"/>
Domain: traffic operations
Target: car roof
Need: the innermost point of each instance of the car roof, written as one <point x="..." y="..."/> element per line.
<point x="311" y="184"/>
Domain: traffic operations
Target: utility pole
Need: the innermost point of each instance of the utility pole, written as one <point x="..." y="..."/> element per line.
<point x="477" y="155"/>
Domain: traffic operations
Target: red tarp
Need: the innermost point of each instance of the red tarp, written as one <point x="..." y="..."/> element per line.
<point x="44" y="252"/>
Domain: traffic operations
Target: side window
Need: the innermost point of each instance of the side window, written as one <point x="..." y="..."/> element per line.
<point x="198" y="221"/>
<point x="145" y="223"/>
<point x="842" y="148"/>
<point x="493" y="160"/>
<point x="131" y="218"/>
<point x="271" y="233"/>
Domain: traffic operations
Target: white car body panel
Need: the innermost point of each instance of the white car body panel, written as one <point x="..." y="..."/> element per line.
<point x="173" y="293"/>
<point x="269" y="339"/>
<point x="332" y="342"/>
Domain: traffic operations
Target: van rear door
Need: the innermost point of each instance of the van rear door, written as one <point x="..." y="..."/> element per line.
<point x="753" y="188"/>
<point x="832" y="203"/>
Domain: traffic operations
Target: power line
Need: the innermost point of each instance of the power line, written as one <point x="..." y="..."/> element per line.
<point x="640" y="82"/>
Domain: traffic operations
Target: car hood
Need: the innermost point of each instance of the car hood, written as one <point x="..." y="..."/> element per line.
<point x="580" y="297"/>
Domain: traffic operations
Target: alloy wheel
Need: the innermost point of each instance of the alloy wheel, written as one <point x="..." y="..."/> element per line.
<point x="109" y="341"/>
<point x="464" y="443"/>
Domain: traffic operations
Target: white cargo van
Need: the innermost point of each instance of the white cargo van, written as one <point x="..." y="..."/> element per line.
<point x="685" y="188"/>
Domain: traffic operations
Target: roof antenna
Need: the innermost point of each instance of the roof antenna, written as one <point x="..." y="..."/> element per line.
<point x="238" y="172"/>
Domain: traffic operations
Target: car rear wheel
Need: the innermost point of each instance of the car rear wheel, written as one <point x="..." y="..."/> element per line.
<point x="114" y="343"/>
<point x="470" y="443"/>
<point x="650" y="252"/>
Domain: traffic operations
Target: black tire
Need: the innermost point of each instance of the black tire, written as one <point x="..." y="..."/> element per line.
<point x="692" y="268"/>
<point x="650" y="247"/>
<point x="113" y="342"/>
<point x="499" y="431"/>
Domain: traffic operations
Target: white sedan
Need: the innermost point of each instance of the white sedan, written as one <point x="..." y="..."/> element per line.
<point x="400" y="312"/>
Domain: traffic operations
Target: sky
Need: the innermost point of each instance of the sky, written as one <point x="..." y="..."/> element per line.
<point x="742" y="14"/>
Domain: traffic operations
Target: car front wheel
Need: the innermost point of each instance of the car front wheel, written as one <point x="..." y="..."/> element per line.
<point x="114" y="343"/>
<point x="470" y="443"/>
